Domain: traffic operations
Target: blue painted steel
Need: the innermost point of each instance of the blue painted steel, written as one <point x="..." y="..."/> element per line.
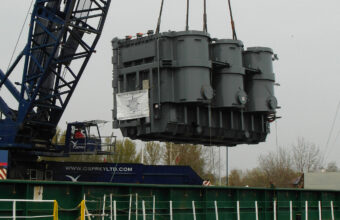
<point x="4" y="108"/>
<point x="10" y="86"/>
<point x="122" y="173"/>
<point x="57" y="36"/>
<point x="3" y="158"/>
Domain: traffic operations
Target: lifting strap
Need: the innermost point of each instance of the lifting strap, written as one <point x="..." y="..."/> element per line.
<point x="159" y="18"/>
<point x="232" y="21"/>
<point x="205" y="25"/>
<point x="187" y="19"/>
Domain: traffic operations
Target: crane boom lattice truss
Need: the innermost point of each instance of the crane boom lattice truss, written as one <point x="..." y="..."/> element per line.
<point x="61" y="39"/>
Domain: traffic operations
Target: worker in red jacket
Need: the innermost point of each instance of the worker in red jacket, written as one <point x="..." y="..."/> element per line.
<point x="78" y="134"/>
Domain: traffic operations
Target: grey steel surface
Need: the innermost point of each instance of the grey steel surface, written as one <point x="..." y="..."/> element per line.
<point x="260" y="79"/>
<point x="202" y="90"/>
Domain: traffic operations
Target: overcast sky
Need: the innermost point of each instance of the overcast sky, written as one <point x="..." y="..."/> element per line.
<point x="304" y="33"/>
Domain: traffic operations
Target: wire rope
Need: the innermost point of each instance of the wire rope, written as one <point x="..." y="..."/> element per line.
<point x="325" y="154"/>
<point x="117" y="161"/>
<point x="232" y="21"/>
<point x="336" y="138"/>
<point x="205" y="25"/>
<point x="21" y="31"/>
<point x="159" y="18"/>
<point x="187" y="16"/>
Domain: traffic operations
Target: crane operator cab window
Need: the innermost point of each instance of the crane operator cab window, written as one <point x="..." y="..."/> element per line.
<point x="78" y="139"/>
<point x="2" y="116"/>
<point x="85" y="138"/>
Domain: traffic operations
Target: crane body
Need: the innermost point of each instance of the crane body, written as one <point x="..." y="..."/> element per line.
<point x="62" y="36"/>
<point x="60" y="32"/>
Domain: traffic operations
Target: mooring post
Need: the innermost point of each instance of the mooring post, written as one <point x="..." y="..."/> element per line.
<point x="171" y="210"/>
<point x="256" y="211"/>
<point x="193" y="210"/>
<point x="216" y="210"/>
<point x="274" y="209"/>
<point x="143" y="207"/>
<point x="130" y="206"/>
<point x="136" y="206"/>
<point x="154" y="208"/>
<point x="332" y="210"/>
<point x="111" y="206"/>
<point x="115" y="210"/>
<point x="104" y="201"/>
<point x="306" y="210"/>
<point x="14" y="210"/>
<point x="320" y="213"/>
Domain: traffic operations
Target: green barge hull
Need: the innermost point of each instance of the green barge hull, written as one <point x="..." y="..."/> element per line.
<point x="81" y="200"/>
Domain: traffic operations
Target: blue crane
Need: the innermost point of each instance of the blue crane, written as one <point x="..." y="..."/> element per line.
<point x="62" y="37"/>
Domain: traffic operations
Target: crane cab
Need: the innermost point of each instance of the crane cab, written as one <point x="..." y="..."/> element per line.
<point x="85" y="138"/>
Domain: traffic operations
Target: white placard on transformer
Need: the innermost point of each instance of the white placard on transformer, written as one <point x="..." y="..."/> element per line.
<point x="132" y="105"/>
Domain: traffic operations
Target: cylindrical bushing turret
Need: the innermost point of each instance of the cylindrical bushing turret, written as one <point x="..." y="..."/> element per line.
<point x="192" y="73"/>
<point x="228" y="73"/>
<point x="260" y="79"/>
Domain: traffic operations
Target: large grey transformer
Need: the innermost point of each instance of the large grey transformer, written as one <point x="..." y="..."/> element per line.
<point x="195" y="89"/>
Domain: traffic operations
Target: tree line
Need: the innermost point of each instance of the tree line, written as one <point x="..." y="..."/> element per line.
<point x="281" y="167"/>
<point x="199" y="158"/>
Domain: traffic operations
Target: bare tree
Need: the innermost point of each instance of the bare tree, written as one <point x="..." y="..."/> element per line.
<point x="255" y="178"/>
<point x="153" y="153"/>
<point x="277" y="168"/>
<point x="306" y="156"/>
<point x="125" y="153"/>
<point x="235" y="178"/>
<point x="188" y="155"/>
<point x="213" y="164"/>
<point x="171" y="153"/>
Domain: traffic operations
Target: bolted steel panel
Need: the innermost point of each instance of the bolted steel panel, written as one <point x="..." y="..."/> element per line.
<point x="260" y="79"/>
<point x="196" y="88"/>
<point x="228" y="74"/>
